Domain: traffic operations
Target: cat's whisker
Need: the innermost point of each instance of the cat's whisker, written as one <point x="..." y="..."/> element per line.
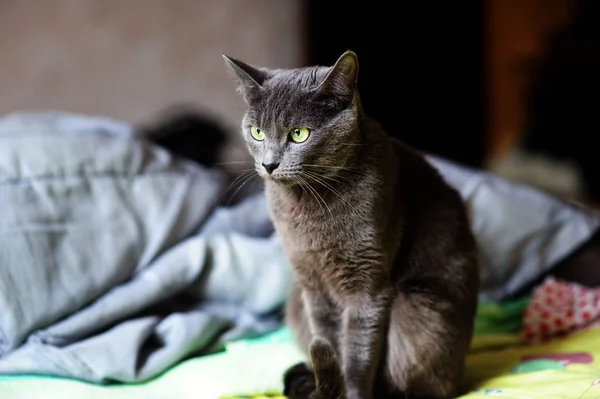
<point x="343" y="168"/>
<point x="331" y="166"/>
<point x="240" y="177"/>
<point x="249" y="176"/>
<point x="241" y="174"/>
<point x="322" y="200"/>
<point x="251" y="190"/>
<point x="344" y="181"/>
<point x="316" y="194"/>
<point x="328" y="186"/>
<point x="299" y="182"/>
<point x="304" y="184"/>
<point x="317" y="180"/>
<point x="352" y="169"/>
<point x="320" y="178"/>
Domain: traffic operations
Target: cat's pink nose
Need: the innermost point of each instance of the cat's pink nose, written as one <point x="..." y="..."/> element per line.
<point x="270" y="167"/>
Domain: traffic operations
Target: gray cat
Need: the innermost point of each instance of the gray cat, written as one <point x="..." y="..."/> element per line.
<point x="385" y="261"/>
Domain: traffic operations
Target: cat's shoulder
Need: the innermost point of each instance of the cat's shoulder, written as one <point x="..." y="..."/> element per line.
<point x="409" y="158"/>
<point x="419" y="176"/>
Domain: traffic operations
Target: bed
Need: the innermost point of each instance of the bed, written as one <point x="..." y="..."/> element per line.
<point x="500" y="365"/>
<point x="123" y="331"/>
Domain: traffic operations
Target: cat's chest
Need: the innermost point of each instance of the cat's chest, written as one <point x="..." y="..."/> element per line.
<point x="308" y="232"/>
<point x="312" y="246"/>
<point x="314" y="236"/>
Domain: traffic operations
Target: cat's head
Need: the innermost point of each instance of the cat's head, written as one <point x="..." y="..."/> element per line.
<point x="299" y="122"/>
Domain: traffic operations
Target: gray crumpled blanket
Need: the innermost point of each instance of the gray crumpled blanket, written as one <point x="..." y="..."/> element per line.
<point x="116" y="262"/>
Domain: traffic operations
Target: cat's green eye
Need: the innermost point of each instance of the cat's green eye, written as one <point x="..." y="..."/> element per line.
<point x="256" y="133"/>
<point x="300" y="134"/>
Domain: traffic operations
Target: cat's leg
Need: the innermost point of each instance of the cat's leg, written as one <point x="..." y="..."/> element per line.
<point x="297" y="319"/>
<point x="299" y="381"/>
<point x="327" y="375"/>
<point x="426" y="346"/>
<point x="363" y="329"/>
<point x="311" y="314"/>
<point x="324" y="317"/>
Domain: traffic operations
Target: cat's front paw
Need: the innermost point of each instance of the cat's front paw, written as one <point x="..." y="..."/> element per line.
<point x="299" y="382"/>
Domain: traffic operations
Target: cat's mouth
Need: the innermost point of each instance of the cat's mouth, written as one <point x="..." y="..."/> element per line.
<point x="284" y="180"/>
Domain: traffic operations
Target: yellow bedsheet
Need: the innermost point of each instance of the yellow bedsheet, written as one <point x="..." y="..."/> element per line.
<point x="564" y="368"/>
<point x="499" y="366"/>
<point x="502" y="366"/>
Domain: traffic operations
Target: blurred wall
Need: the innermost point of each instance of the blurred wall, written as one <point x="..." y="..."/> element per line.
<point x="128" y="59"/>
<point x="515" y="38"/>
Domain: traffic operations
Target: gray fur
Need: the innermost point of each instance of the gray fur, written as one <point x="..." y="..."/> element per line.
<point x="385" y="262"/>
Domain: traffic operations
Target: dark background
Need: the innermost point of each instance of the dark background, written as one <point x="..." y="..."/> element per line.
<point x="470" y="80"/>
<point x="421" y="68"/>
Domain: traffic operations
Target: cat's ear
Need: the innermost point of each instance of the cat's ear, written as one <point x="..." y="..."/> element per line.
<point x="341" y="79"/>
<point x="249" y="79"/>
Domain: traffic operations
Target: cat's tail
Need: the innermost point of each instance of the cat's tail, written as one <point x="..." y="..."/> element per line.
<point x="328" y="373"/>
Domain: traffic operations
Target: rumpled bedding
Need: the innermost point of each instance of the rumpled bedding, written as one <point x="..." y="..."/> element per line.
<point x="559" y="308"/>
<point x="500" y="365"/>
<point x="117" y="263"/>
